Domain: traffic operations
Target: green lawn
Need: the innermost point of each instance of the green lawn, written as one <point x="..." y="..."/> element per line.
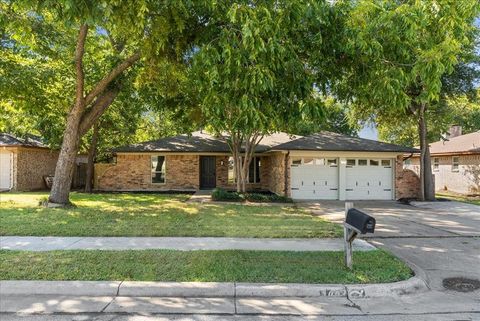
<point x="460" y="198"/>
<point x="154" y="215"/>
<point x="222" y="266"/>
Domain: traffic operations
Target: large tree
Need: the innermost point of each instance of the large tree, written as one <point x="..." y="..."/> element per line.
<point x="253" y="78"/>
<point x="63" y="33"/>
<point x="398" y="54"/>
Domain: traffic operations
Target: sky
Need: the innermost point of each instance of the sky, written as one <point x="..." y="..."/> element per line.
<point x="368" y="132"/>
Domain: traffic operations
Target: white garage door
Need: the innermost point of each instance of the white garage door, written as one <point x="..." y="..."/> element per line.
<point x="369" y="179"/>
<point x="5" y="170"/>
<point x="314" y="178"/>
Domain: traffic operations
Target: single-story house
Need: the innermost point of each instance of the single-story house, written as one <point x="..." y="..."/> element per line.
<point x="455" y="162"/>
<point x="24" y="162"/>
<point x="325" y="165"/>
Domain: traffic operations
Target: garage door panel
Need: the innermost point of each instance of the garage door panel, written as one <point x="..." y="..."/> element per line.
<point x="369" y="182"/>
<point x="312" y="181"/>
<point x="5" y="170"/>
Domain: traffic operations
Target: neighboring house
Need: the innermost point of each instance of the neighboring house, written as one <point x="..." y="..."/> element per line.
<point x="455" y="162"/>
<point x="321" y="166"/>
<point x="24" y="163"/>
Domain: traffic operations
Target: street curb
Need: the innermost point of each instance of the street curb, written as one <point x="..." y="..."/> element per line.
<point x="211" y="289"/>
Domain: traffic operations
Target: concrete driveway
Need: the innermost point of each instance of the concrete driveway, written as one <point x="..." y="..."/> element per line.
<point x="440" y="239"/>
<point x="421" y="219"/>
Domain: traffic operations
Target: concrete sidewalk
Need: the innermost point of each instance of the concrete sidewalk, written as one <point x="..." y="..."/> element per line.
<point x="49" y="243"/>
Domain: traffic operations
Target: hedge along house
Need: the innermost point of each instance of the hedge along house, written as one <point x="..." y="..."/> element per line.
<point x="321" y="166"/>
<point x="24" y="163"/>
<point x="455" y="162"/>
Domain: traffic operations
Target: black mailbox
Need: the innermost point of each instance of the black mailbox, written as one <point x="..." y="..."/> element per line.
<point x="362" y="222"/>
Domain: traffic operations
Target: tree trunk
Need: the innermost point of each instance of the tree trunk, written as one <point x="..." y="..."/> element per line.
<point x="92" y="152"/>
<point x="66" y="160"/>
<point x="427" y="189"/>
<point x="80" y="120"/>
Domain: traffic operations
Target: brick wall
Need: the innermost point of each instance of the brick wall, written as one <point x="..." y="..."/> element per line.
<point x="31" y="165"/>
<point x="277" y="174"/>
<point x="133" y="172"/>
<point x="407" y="182"/>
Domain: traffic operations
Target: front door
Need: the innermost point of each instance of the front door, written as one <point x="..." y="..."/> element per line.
<point x="208" y="176"/>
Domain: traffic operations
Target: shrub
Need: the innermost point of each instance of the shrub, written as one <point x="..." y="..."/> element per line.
<point x="273" y="198"/>
<point x="219" y="194"/>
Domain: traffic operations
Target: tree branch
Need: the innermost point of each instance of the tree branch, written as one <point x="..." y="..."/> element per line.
<point x="102" y="84"/>
<point x="80" y="75"/>
<point x="97" y="109"/>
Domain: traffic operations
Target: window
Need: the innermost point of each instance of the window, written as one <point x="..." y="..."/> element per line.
<point x="332" y="162"/>
<point x="374" y="162"/>
<point x="296" y="161"/>
<point x="351" y="162"/>
<point x="386" y="163"/>
<point x="158" y="169"/>
<point x="436" y="164"/>
<point x="362" y="162"/>
<point x="308" y="161"/>
<point x="254" y="170"/>
<point x="231" y="171"/>
<point x="455" y="163"/>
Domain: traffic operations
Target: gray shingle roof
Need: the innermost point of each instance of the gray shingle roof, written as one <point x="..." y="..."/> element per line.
<point x="30" y="141"/>
<point x="200" y="142"/>
<point x="328" y="141"/>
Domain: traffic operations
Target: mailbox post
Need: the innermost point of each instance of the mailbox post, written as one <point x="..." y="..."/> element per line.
<point x="356" y="222"/>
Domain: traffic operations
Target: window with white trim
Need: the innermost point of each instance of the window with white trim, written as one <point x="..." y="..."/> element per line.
<point x="436" y="164"/>
<point x="455" y="163"/>
<point x="158" y="169"/>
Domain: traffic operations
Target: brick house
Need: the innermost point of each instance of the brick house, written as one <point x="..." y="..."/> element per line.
<point x="321" y="166"/>
<point x="24" y="163"/>
<point x="455" y="162"/>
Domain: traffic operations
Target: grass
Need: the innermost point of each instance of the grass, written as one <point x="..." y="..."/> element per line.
<point x="222" y="266"/>
<point x="461" y="198"/>
<point x="155" y="215"/>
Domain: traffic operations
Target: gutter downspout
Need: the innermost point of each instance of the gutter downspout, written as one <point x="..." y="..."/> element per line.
<point x="285" y="189"/>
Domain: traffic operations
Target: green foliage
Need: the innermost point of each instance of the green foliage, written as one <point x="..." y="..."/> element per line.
<point x="220" y="194"/>
<point x="251" y="77"/>
<point x="336" y="119"/>
<point x="401" y="51"/>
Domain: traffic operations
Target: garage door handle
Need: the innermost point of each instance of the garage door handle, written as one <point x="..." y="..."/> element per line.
<point x="294" y="188"/>
<point x="349" y="189"/>
<point x="387" y="189"/>
<point x="334" y="189"/>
